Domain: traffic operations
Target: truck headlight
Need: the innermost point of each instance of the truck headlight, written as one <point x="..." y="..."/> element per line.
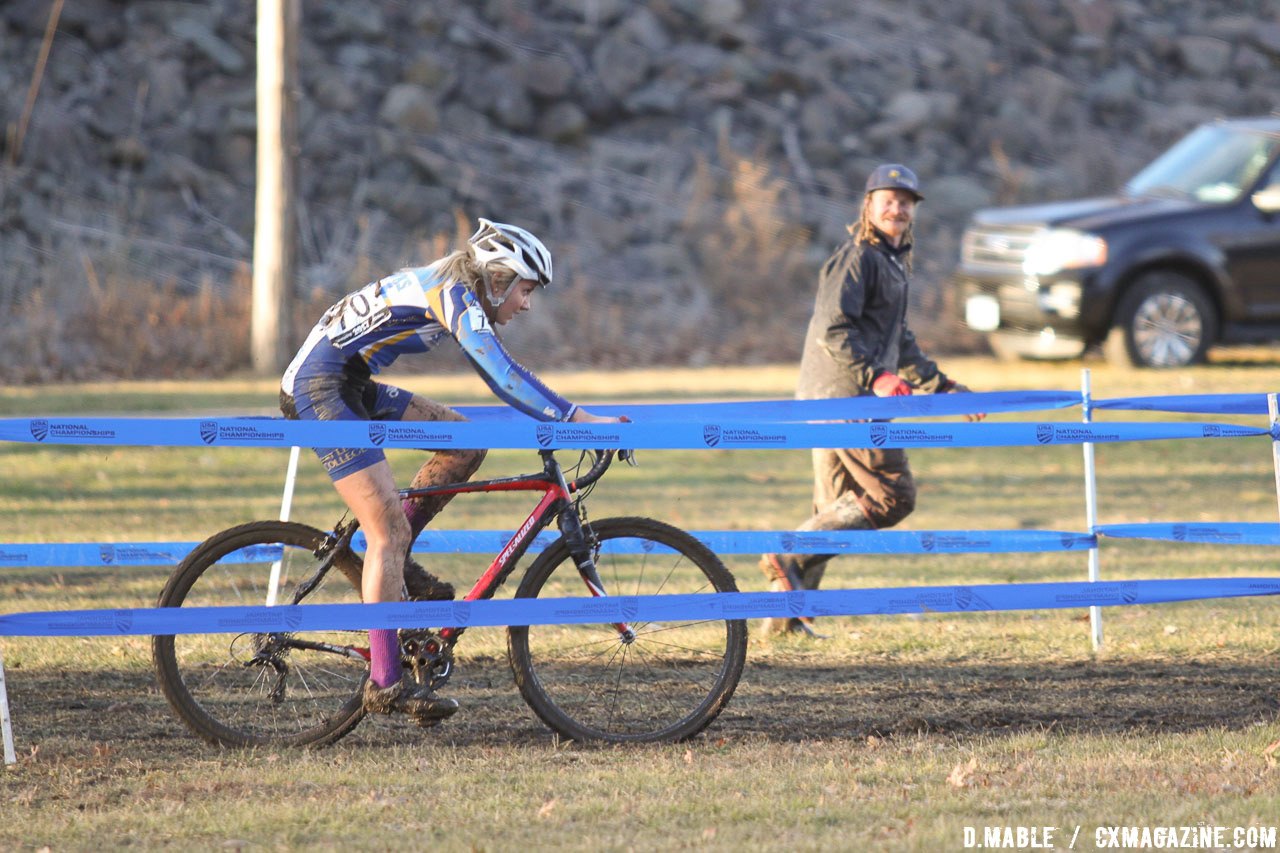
<point x="1062" y="249"/>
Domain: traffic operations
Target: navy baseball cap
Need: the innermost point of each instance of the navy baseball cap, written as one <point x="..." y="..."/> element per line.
<point x="894" y="176"/>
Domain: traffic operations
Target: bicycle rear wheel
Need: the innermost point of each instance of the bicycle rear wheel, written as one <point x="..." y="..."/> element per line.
<point x="589" y="684"/>
<point x="250" y="689"/>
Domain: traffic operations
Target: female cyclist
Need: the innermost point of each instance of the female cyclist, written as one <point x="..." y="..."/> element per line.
<point x="461" y="296"/>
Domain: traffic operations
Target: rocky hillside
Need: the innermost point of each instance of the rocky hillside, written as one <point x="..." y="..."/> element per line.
<point x="690" y="162"/>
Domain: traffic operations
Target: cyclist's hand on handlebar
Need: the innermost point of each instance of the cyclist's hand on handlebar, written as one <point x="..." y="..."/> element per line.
<point x="582" y="416"/>
<point x="627" y="456"/>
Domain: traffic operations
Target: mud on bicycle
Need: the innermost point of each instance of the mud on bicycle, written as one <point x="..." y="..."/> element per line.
<point x="636" y="682"/>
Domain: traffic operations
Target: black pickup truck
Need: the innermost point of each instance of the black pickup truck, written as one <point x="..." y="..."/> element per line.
<point x="1185" y="256"/>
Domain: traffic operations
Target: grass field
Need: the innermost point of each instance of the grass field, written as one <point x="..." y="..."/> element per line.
<point x="894" y="733"/>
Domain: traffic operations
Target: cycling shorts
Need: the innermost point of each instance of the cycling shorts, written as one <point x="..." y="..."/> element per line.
<point x="345" y="398"/>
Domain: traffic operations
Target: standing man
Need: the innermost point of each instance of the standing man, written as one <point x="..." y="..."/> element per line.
<point x="858" y="344"/>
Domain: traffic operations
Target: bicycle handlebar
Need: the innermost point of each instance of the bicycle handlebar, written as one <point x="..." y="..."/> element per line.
<point x="604" y="458"/>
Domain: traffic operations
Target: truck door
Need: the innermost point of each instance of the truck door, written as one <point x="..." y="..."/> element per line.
<point x="1251" y="252"/>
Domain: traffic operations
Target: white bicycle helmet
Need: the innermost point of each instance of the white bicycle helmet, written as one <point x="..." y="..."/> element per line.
<point x="513" y="248"/>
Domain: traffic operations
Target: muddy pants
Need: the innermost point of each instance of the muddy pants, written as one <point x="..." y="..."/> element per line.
<point x="863" y="488"/>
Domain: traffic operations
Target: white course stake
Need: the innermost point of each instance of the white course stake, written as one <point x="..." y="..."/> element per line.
<point x="286" y="503"/>
<point x="5" y="723"/>
<point x="1091" y="511"/>
<point x="1273" y="409"/>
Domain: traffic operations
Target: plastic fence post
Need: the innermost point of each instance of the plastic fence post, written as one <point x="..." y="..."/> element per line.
<point x="1091" y="510"/>
<point x="1273" y="410"/>
<point x="5" y="723"/>
<point x="286" y="504"/>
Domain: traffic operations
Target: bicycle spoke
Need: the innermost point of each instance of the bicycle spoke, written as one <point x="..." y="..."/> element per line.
<point x="684" y="648"/>
<point x="659" y="683"/>
<point x="711" y="677"/>
<point x="301" y="688"/>
<point x="617" y="688"/>
<point x="668" y="680"/>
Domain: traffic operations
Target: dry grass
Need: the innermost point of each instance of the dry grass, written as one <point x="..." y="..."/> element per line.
<point x="896" y="733"/>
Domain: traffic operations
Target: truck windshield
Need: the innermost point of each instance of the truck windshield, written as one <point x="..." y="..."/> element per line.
<point x="1214" y="164"/>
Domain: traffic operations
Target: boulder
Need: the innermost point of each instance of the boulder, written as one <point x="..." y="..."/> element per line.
<point x="411" y="108"/>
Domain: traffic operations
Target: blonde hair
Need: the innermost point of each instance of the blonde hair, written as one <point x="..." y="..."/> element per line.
<point x="864" y="231"/>
<point x="461" y="266"/>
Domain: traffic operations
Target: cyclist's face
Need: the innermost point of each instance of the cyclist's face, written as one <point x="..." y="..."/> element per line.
<point x="519" y="300"/>
<point x="892" y="212"/>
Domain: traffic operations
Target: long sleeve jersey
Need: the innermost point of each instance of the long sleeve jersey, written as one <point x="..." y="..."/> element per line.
<point x="409" y="312"/>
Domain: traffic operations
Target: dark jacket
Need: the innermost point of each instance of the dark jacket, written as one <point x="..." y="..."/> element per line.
<point x="859" y="326"/>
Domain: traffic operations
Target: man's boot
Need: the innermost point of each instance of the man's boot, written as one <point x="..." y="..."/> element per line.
<point x="775" y="625"/>
<point x="784" y="578"/>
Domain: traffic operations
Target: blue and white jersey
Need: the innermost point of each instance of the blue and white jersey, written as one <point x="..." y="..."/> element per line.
<point x="409" y="312"/>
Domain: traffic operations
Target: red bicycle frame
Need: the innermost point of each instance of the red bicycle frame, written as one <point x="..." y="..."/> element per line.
<point x="556" y="493"/>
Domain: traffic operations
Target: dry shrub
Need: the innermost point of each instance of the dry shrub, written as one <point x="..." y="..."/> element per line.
<point x="751" y="252"/>
<point x="739" y="292"/>
<point x="116" y="326"/>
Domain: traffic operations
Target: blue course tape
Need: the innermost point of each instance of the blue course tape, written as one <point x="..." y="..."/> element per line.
<point x="27" y="554"/>
<point x="1213" y="404"/>
<point x="1228" y="533"/>
<point x="22" y="554"/>
<point x="828" y="409"/>
<point x="266" y="432"/>
<point x="630" y="609"/>
<point x="799" y="542"/>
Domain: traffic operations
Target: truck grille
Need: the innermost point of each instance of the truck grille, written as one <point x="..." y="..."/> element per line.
<point x="996" y="249"/>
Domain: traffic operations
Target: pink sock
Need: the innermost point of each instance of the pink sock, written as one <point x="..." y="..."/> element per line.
<point x="384" y="657"/>
<point x="417" y="516"/>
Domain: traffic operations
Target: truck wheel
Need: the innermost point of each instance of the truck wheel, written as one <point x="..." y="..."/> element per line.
<point x="1165" y="320"/>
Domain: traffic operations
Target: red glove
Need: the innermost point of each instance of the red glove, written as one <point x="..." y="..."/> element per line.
<point x="890" y="385"/>
<point x="954" y="387"/>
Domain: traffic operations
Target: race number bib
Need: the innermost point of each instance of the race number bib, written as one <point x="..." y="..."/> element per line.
<point x="477" y="320"/>
<point x="356" y="315"/>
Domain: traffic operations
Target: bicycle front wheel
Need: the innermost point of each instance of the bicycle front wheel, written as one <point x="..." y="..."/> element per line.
<point x="669" y="682"/>
<point x="261" y="689"/>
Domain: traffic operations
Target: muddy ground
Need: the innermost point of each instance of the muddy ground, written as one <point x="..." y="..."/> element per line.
<point x="778" y="700"/>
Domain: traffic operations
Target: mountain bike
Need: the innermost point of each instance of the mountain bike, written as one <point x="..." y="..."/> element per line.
<point x="617" y="683"/>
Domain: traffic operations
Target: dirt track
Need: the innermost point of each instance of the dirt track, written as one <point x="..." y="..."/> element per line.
<point x="779" y="700"/>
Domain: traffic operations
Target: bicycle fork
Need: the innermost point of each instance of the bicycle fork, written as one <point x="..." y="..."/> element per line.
<point x="581" y="551"/>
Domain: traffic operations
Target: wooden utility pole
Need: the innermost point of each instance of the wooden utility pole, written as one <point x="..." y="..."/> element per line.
<point x="274" y="218"/>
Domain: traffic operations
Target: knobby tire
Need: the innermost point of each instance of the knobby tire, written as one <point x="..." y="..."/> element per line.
<point x="204" y="676"/>
<point x="668" y="685"/>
